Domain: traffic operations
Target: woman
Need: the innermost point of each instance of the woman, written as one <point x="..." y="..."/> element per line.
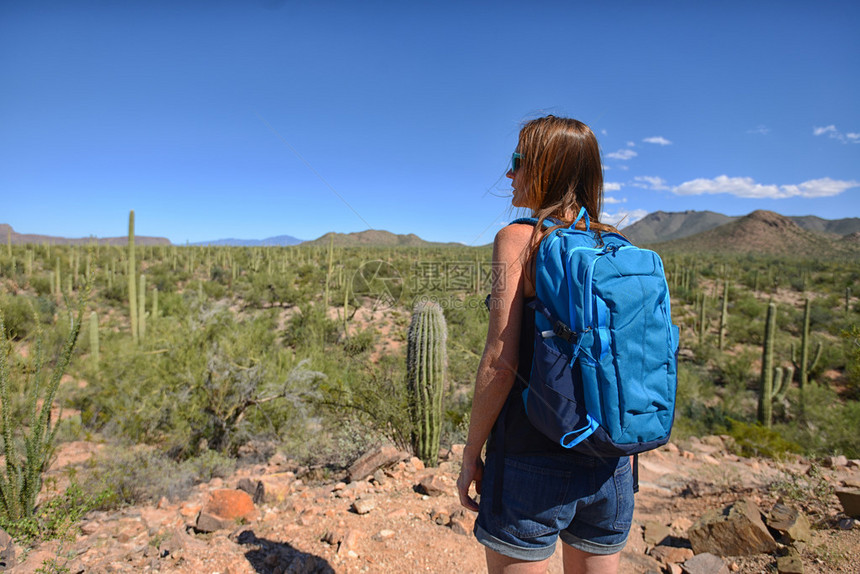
<point x="532" y="489"/>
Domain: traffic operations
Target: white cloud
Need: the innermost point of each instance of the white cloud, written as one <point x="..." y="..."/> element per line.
<point x="604" y="132"/>
<point x="622" y="154"/>
<point x="659" y="140"/>
<point x="835" y="134"/>
<point x="747" y="187"/>
<point x="622" y="218"/>
<point x="611" y="186"/>
<point x="824" y="187"/>
<point x="609" y="200"/>
<point x="759" y="129"/>
<point x="631" y="144"/>
<point x="650" y="182"/>
<point x="605" y="167"/>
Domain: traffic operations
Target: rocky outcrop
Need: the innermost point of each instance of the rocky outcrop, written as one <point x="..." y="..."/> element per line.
<point x="737" y="530"/>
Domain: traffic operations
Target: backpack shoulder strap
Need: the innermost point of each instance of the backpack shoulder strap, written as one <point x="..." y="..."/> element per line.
<point x="548" y="222"/>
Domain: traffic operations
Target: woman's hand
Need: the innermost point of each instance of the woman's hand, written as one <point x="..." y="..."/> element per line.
<point x="471" y="471"/>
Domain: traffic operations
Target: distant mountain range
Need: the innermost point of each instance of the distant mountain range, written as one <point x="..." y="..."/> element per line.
<point x="760" y="232"/>
<point x="660" y="226"/>
<point x="376" y="238"/>
<point x="6" y="233"/>
<point x="278" y="241"/>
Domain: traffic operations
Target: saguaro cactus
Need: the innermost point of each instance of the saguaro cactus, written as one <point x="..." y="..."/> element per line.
<point x="803" y="365"/>
<point x="724" y="316"/>
<point x="58" y="286"/>
<point x="132" y="277"/>
<point x="781" y="381"/>
<point x="701" y="323"/>
<point x="328" y="272"/>
<point x="154" y="316"/>
<point x="141" y="308"/>
<point x="94" y="338"/>
<point x="765" y="399"/>
<point x="426" y="366"/>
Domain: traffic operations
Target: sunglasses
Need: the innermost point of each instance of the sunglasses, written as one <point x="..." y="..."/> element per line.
<point x="516" y="161"/>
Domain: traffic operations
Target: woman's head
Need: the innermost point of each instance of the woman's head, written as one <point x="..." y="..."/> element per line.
<point x="559" y="169"/>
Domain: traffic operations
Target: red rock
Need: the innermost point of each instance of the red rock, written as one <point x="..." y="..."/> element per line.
<point x="277" y="487"/>
<point x="189" y="509"/>
<point x="671" y="554"/>
<point x="224" y="509"/>
<point x="228" y="503"/>
<point x="433" y="485"/>
<point x="457" y="450"/>
<point x="462" y="522"/>
<point x="372" y="460"/>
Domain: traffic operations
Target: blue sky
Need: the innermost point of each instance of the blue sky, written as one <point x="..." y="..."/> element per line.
<point x="256" y="119"/>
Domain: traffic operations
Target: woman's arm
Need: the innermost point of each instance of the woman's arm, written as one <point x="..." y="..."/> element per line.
<point x="498" y="367"/>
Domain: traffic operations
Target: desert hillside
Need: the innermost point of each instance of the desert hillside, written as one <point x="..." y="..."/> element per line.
<point x="761" y="233"/>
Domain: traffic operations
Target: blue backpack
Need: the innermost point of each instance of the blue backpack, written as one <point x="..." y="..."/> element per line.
<point x="604" y="371"/>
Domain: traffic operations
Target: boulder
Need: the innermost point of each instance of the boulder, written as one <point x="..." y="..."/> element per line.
<point x="363" y="506"/>
<point x="790" y="563"/>
<point x="671" y="554"/>
<point x="432" y="485"/>
<point x="850" y="500"/>
<point x="792" y="524"/>
<point x="276" y="487"/>
<point x="178" y="543"/>
<point x="462" y="522"/>
<point x="736" y="531"/>
<point x="252" y="487"/>
<point x="705" y="563"/>
<point x="224" y="509"/>
<point x="372" y="460"/>
<point x="836" y="461"/>
<point x="655" y="532"/>
<point x="7" y="551"/>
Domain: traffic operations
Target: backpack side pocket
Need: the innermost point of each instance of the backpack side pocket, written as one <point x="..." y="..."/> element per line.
<point x="553" y="400"/>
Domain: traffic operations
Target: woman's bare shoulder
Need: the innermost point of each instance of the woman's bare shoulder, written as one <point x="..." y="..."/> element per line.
<point x="513" y="241"/>
<point x="518" y="233"/>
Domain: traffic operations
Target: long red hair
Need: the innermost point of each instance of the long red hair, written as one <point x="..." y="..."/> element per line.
<point x="561" y="172"/>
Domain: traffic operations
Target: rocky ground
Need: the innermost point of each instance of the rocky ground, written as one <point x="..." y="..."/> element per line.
<point x="390" y="514"/>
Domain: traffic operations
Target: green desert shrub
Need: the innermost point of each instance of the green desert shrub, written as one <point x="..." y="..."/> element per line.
<point x="753" y="439"/>
<point x="19" y="314"/>
<point x="698" y="410"/>
<point x="57" y="517"/>
<point x="139" y="475"/>
<point x="376" y="400"/>
<point x="359" y="341"/>
<point x="851" y="349"/>
<point x="211" y="382"/>
<point x="41" y="285"/>
<point x="825" y="426"/>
